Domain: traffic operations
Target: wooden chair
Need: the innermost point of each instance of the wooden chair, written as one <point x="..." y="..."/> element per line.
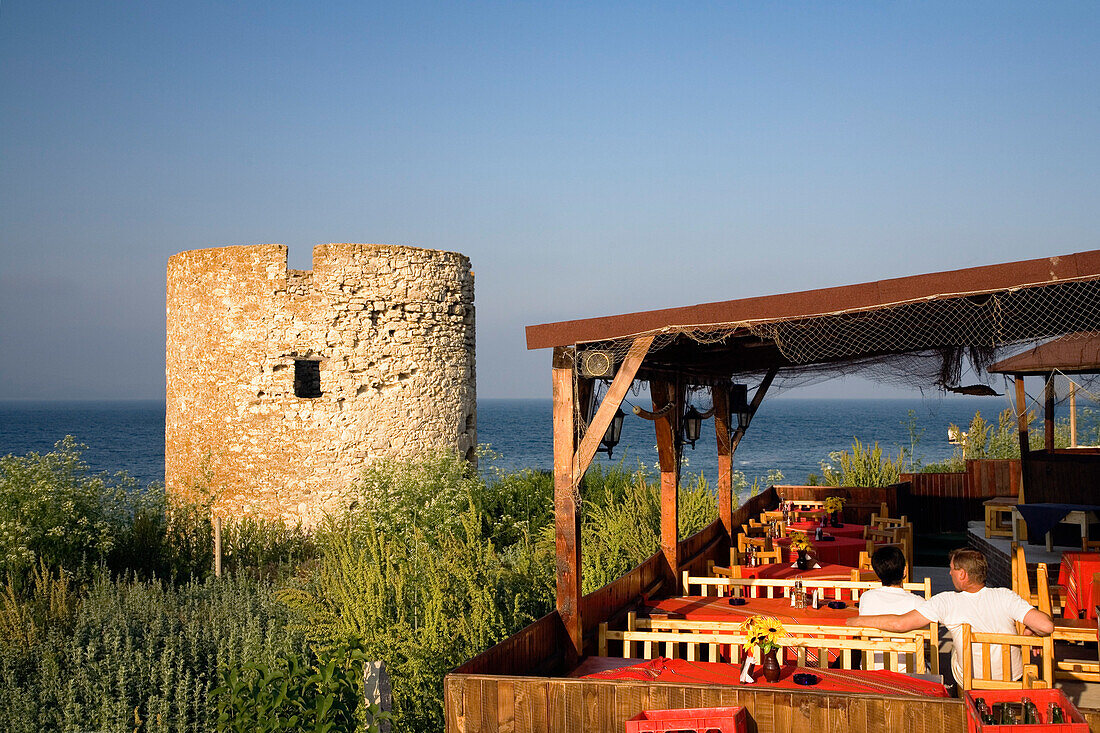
<point x="983" y="676"/>
<point x="757" y="543"/>
<point x="881" y="521"/>
<point x="1076" y="655"/>
<point x="700" y="640"/>
<point x="754" y="529"/>
<point x="901" y="537"/>
<point x="772" y="516"/>
<point x="806" y="515"/>
<point x="1021" y="584"/>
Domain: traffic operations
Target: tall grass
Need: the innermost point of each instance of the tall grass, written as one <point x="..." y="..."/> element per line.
<point x="140" y="655"/>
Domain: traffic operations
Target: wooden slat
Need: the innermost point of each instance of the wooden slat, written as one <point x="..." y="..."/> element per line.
<point x="567" y="521"/>
<point x="624" y="377"/>
<point x="664" y="393"/>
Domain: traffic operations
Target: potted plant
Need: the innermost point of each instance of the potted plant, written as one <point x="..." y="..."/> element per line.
<point x="765" y="632"/>
<point x="833" y="506"/>
<point x="801" y="544"/>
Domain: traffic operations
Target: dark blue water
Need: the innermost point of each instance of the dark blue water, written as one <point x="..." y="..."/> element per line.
<point x="789" y="435"/>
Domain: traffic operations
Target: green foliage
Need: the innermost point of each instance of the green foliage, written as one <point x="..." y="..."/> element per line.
<point x="299" y="692"/>
<point x="984" y="440"/>
<point x="139" y="655"/>
<point x="413" y="572"/>
<point x="862" y="467"/>
<point x="52" y="509"/>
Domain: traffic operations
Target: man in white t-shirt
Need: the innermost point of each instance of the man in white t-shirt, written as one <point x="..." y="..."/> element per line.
<point x="889" y="565"/>
<point x="987" y="610"/>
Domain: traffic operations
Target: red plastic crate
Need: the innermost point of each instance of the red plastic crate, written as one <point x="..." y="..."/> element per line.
<point x="1075" y="722"/>
<point x="700" y="720"/>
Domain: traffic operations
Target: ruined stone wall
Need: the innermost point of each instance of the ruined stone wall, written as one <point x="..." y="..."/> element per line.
<point x="392" y="329"/>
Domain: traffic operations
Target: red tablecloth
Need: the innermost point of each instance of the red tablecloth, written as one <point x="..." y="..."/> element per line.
<point x="876" y="682"/>
<point x="841" y="551"/>
<point x="712" y="608"/>
<point x="848" y="530"/>
<point x="784" y="571"/>
<point x="1075" y="573"/>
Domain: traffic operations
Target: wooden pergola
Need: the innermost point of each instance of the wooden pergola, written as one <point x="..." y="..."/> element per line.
<point x="714" y="345"/>
<point x="1053" y="475"/>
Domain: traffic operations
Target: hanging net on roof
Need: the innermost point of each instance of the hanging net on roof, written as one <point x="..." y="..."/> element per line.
<point x="917" y="344"/>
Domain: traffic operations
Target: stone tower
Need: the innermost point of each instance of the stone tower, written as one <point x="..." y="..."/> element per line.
<point x="283" y="384"/>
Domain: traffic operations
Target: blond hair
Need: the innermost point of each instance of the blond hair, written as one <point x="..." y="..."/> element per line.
<point x="972" y="561"/>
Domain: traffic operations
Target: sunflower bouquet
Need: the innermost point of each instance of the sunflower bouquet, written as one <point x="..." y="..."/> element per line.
<point x="764" y="632"/>
<point x="800" y="542"/>
<point x="834" y="504"/>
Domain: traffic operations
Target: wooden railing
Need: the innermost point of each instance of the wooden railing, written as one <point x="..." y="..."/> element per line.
<point x="527" y="705"/>
<point x="861" y="501"/>
<point x="945" y="502"/>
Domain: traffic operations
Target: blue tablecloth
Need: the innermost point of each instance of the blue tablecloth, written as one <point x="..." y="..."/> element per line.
<point x="1041" y="518"/>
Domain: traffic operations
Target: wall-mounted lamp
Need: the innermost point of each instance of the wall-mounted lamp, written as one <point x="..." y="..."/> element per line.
<point x="613" y="433"/>
<point x="693" y="422"/>
<point x="739" y="405"/>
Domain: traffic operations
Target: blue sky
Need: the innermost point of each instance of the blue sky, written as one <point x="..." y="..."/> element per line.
<point x="590" y="158"/>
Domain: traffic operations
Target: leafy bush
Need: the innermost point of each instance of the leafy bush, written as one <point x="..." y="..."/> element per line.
<point x="52" y="509"/>
<point x="298" y="693"/>
<point x="140" y="655"/>
<point x="862" y="467"/>
<point x="412" y="571"/>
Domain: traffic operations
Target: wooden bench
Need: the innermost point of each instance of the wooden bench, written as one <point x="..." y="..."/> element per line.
<point x="702" y="641"/>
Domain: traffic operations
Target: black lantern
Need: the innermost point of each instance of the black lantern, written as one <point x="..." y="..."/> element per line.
<point x="693" y="421"/>
<point x="611" y="435"/>
<point x="739" y="405"/>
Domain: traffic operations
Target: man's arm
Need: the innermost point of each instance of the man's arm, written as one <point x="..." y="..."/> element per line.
<point x="893" y="622"/>
<point x="1039" y="623"/>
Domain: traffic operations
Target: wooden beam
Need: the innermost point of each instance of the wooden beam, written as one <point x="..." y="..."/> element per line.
<point x="667" y="456"/>
<point x="1072" y="414"/>
<point x="720" y="398"/>
<point x="1021" y="427"/>
<point x="609" y="405"/>
<point x="757" y="398"/>
<point x="567" y="521"/>
<point x="1048" y="413"/>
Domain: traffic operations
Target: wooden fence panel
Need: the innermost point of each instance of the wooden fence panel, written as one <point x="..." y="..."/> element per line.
<point x="540" y="705"/>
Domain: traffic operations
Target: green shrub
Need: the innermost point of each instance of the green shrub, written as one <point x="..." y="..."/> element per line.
<point x="52" y="509"/>
<point x="412" y="571"/>
<point x="862" y="467"/>
<point x="139" y="655"/>
<point x="298" y="693"/>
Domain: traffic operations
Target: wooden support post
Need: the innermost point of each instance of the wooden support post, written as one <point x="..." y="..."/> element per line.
<point x="1048" y="414"/>
<point x="1072" y="414"/>
<point x="567" y="520"/>
<point x="666" y="426"/>
<point x="757" y="398"/>
<point x="1021" y="426"/>
<point x="217" y="546"/>
<point x="624" y="377"/>
<point x="720" y="397"/>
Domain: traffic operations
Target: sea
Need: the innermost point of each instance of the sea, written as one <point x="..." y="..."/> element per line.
<point x="793" y="436"/>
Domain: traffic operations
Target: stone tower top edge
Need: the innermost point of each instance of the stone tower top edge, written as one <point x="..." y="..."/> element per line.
<point x="276" y="254"/>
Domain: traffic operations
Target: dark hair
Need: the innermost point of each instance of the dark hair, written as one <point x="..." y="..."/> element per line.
<point x="889" y="564"/>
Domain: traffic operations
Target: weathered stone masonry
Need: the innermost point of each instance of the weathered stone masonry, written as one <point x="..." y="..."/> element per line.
<point x="392" y="330"/>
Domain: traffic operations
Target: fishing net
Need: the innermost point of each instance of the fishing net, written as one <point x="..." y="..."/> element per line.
<point x="926" y="344"/>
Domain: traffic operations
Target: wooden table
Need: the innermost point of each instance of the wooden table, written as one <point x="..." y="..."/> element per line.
<point x="663" y="669"/>
<point x="997" y="510"/>
<point x="839" y="551"/>
<point x="848" y="529"/>
<point x="1078" y="517"/>
<point x="784" y="571"/>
